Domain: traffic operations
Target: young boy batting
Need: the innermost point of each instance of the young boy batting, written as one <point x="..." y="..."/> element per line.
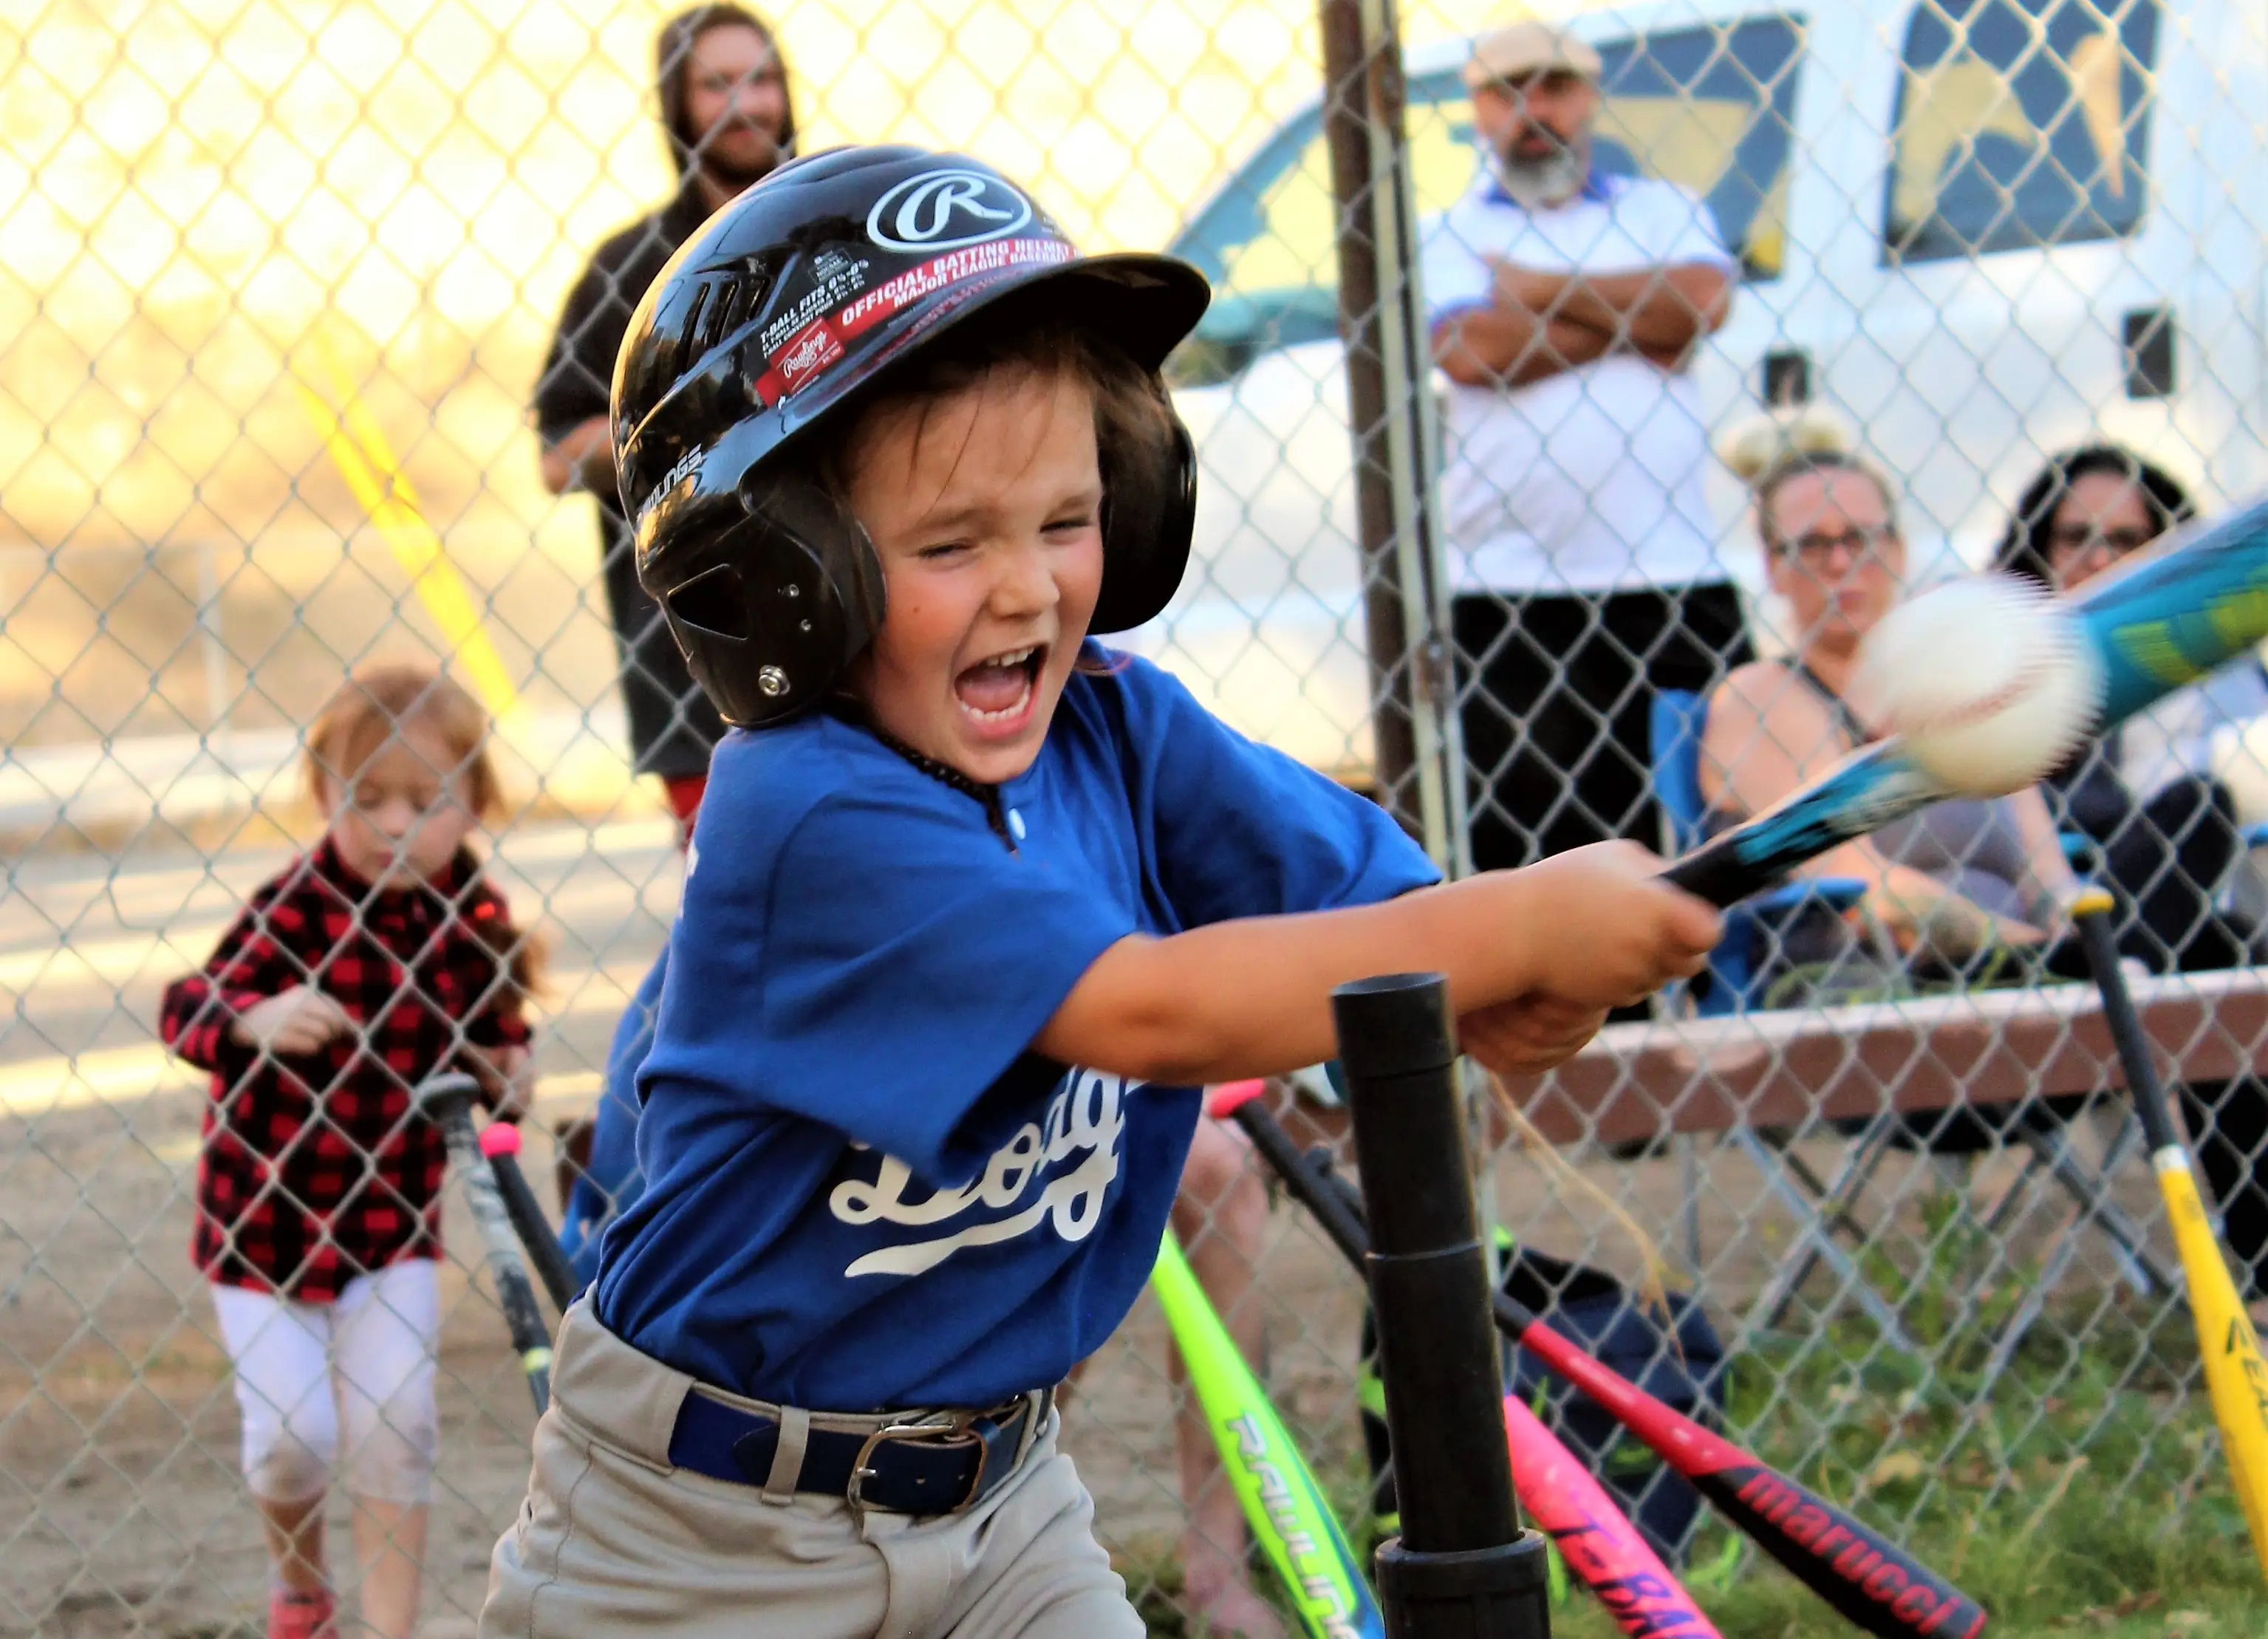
<point x="974" y="906"/>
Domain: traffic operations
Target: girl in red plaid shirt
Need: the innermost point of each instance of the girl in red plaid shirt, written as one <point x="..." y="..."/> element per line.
<point x="376" y="960"/>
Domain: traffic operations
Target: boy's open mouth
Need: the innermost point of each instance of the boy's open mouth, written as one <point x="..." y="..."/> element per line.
<point x="997" y="690"/>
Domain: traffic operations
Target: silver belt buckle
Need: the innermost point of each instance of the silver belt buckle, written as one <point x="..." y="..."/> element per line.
<point x="937" y="1426"/>
<point x="1037" y="1404"/>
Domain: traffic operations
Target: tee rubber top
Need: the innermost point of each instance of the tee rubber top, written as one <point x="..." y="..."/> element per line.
<point x="1232" y="1096"/>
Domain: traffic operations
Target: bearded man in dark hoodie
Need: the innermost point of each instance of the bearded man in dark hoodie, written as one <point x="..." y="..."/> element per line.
<point x="726" y="112"/>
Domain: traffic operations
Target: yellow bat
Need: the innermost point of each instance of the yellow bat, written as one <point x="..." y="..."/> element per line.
<point x="2234" y="1374"/>
<point x="367" y="461"/>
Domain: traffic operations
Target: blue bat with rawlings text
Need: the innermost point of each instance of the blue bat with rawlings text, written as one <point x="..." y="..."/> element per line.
<point x="2155" y="624"/>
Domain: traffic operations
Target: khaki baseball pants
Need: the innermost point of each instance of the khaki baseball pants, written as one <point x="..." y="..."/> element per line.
<point x="613" y="1541"/>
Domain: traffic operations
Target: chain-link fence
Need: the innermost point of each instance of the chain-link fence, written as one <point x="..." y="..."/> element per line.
<point x="282" y="288"/>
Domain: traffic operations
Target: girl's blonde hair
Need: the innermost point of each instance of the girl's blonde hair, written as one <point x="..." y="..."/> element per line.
<point x="1767" y="449"/>
<point x="376" y="702"/>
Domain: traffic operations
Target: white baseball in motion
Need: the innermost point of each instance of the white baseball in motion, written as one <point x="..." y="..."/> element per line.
<point x="1986" y="680"/>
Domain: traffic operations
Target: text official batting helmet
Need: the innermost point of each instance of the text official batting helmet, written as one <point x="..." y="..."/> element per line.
<point x="772" y="317"/>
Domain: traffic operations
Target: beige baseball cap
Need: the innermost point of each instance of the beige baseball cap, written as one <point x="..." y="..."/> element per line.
<point x="1519" y="50"/>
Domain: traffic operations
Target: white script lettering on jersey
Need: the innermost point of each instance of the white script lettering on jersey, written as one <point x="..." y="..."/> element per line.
<point x="1083" y="1120"/>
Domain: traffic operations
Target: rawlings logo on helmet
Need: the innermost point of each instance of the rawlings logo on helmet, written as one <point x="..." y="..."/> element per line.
<point x="945" y="210"/>
<point x="809" y="353"/>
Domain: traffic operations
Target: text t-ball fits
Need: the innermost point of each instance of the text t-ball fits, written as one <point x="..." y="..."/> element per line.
<point x="1985" y="680"/>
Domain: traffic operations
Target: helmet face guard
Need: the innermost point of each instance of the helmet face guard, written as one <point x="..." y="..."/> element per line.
<point x="794" y="298"/>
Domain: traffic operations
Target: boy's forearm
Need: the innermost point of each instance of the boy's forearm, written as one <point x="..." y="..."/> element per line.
<point x="1252" y="996"/>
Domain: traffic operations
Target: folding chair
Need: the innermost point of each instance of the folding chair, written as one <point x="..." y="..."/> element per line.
<point x="1823" y="1208"/>
<point x="1731" y="985"/>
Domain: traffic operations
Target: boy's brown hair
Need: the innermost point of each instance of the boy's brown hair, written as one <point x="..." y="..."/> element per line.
<point x="1133" y="416"/>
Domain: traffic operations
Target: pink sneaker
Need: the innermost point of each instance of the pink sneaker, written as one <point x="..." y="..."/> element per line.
<point x="302" y="1613"/>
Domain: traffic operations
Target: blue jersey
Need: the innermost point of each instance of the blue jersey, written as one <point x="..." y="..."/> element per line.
<point x="864" y="1189"/>
<point x="609" y="1180"/>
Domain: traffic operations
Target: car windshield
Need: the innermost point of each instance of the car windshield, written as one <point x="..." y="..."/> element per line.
<point x="1709" y="107"/>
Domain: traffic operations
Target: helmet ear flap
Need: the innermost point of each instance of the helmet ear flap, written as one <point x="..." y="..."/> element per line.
<point x="1149" y="516"/>
<point x="790" y="594"/>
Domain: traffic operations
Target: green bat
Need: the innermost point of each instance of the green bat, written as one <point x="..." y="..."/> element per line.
<point x="1285" y="1509"/>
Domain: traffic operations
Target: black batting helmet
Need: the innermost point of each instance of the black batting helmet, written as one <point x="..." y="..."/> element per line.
<point x="791" y="300"/>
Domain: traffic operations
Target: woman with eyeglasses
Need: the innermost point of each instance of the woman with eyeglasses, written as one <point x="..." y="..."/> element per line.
<point x="2144" y="795"/>
<point x="1954" y="894"/>
<point x="2164" y="827"/>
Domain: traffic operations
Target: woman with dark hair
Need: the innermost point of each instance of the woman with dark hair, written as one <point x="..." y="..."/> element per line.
<point x="2087" y="508"/>
<point x="2145" y="795"/>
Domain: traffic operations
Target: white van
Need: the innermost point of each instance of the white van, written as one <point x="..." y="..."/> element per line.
<point x="1984" y="229"/>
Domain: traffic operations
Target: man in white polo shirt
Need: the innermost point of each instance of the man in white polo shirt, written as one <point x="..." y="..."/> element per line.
<point x="1565" y="305"/>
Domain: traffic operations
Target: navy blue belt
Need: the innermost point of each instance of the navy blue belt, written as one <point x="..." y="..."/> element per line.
<point x="929" y="1463"/>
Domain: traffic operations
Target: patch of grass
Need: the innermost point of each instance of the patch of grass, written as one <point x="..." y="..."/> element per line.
<point x="1744" y="1615"/>
<point x="2076" y="1494"/>
<point x="1154" y="1578"/>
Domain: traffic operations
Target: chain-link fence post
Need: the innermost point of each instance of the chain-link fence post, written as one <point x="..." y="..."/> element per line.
<point x="1390" y="372"/>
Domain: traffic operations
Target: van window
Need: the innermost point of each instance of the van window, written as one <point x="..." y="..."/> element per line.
<point x="1714" y="110"/>
<point x="2019" y="124"/>
<point x="1273" y="255"/>
<point x="1294" y="243"/>
<point x="1709" y="107"/>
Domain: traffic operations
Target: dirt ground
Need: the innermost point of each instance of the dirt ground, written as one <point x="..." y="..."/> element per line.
<point x="121" y="1508"/>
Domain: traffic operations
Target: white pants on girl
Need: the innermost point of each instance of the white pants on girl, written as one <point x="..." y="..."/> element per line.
<point x="361" y="1367"/>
